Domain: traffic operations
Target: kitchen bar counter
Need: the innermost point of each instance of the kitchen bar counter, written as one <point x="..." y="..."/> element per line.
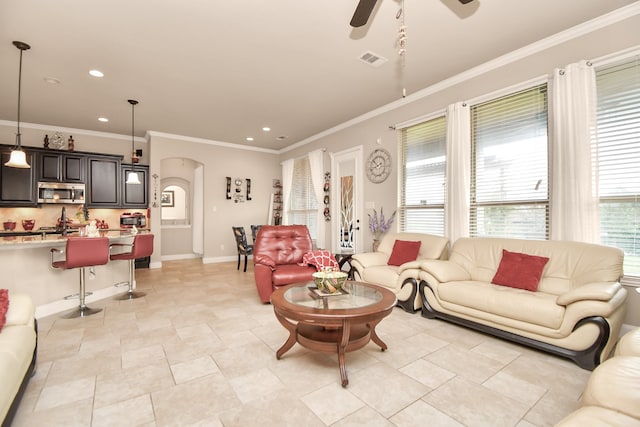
<point x="25" y="263"/>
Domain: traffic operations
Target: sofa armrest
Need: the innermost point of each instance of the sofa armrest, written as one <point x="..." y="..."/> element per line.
<point x="264" y="260"/>
<point x="445" y="271"/>
<point x="21" y="310"/>
<point x="411" y="265"/>
<point x="369" y="259"/>
<point x="600" y="291"/>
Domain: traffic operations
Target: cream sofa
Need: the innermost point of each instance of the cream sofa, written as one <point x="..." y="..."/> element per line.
<point x="576" y="312"/>
<point x="372" y="267"/>
<point x="17" y="353"/>
<point x="612" y="395"/>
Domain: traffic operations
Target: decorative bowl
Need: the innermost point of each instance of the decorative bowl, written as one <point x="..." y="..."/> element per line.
<point x="330" y="282"/>
<point x="28" y="224"/>
<point x="9" y="225"/>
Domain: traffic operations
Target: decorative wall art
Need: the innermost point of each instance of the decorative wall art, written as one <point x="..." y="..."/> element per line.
<point x="228" y="188"/>
<point x="327" y="200"/>
<point x="166" y="199"/>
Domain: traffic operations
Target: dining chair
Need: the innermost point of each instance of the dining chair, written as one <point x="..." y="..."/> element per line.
<point x="243" y="247"/>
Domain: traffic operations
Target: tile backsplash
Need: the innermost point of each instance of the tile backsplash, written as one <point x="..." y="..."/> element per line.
<point x="47" y="215"/>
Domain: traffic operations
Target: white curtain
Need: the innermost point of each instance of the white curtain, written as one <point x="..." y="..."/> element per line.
<point x="574" y="199"/>
<point x="316" y="164"/>
<point x="287" y="180"/>
<point x="458" y="174"/>
<point x="197" y="226"/>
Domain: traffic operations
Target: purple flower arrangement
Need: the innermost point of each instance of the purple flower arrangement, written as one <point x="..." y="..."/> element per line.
<point x="378" y="225"/>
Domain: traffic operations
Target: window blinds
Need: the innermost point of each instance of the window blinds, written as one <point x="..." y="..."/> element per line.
<point x="617" y="154"/>
<point x="304" y="206"/>
<point x="509" y="170"/>
<point x="423" y="177"/>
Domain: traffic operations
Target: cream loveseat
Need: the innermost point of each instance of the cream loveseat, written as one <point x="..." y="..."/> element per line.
<point x="373" y="267"/>
<point x="612" y="395"/>
<point x="576" y="311"/>
<point x="17" y="353"/>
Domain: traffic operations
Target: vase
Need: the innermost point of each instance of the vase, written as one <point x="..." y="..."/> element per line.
<point x="375" y="245"/>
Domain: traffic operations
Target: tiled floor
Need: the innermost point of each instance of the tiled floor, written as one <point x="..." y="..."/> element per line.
<point x="199" y="350"/>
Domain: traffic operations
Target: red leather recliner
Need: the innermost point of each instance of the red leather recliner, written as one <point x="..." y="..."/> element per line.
<point x="277" y="251"/>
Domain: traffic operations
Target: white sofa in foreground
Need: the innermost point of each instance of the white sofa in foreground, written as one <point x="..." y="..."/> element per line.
<point x="576" y="311"/>
<point x="17" y="353"/>
<point x="402" y="280"/>
<point x="612" y="395"/>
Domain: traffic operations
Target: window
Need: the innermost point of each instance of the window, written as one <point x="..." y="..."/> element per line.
<point x="303" y="207"/>
<point x="617" y="151"/>
<point x="423" y="177"/>
<point x="509" y="166"/>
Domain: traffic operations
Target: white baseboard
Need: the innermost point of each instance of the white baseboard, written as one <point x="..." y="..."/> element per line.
<point x="179" y="256"/>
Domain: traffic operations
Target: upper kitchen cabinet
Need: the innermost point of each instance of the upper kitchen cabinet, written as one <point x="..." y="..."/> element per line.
<point x="135" y="195"/>
<point x="17" y="186"/>
<point x="104" y="181"/>
<point x="61" y="167"/>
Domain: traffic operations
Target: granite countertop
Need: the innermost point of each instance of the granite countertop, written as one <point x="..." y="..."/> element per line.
<point x="40" y="239"/>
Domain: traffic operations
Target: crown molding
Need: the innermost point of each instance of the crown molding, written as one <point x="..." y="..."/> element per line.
<point x="576" y="31"/>
<point x="153" y="133"/>
<point x="73" y="131"/>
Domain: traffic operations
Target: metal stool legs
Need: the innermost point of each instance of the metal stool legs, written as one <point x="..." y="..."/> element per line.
<point x="130" y="294"/>
<point x="82" y="310"/>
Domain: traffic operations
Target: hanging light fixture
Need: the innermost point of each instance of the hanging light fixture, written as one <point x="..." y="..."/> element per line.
<point x="18" y="158"/>
<point x="132" y="176"/>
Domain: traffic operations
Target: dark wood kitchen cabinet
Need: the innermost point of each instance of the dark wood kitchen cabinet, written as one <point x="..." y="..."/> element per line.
<point x="104" y="181"/>
<point x="135" y="195"/>
<point x="61" y="167"/>
<point x="17" y="186"/>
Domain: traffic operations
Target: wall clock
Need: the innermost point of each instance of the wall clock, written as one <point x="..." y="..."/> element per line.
<point x="379" y="165"/>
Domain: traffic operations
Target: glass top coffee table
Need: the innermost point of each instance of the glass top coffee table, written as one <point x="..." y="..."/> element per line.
<point x="332" y="324"/>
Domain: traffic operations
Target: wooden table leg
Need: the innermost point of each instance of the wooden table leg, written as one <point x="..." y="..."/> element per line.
<point x="374" y="337"/>
<point x="342" y="345"/>
<point x="292" y="328"/>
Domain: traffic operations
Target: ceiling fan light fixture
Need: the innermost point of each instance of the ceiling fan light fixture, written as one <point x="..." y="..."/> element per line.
<point x="18" y="158"/>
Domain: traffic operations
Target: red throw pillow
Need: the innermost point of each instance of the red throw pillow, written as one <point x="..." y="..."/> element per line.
<point x="404" y="251"/>
<point x="519" y="270"/>
<point x="4" y="306"/>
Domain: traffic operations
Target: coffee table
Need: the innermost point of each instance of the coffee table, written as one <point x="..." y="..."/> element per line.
<point x="332" y="324"/>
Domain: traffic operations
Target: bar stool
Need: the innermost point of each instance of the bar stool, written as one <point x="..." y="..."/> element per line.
<point x="81" y="252"/>
<point x="141" y="247"/>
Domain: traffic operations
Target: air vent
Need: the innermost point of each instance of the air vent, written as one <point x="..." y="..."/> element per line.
<point x="372" y="59"/>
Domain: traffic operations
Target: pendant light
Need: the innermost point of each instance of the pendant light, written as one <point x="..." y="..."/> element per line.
<point x="132" y="176"/>
<point x="18" y="158"/>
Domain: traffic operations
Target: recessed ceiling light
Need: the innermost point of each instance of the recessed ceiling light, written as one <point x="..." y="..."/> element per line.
<point x="52" y="80"/>
<point x="96" y="73"/>
<point x="103" y="119"/>
<point x="266" y="129"/>
<point x="249" y="138"/>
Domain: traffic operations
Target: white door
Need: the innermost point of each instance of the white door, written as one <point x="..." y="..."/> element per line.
<point x="346" y="197"/>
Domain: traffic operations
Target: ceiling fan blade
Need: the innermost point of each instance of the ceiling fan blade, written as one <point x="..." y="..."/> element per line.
<point x="362" y="13"/>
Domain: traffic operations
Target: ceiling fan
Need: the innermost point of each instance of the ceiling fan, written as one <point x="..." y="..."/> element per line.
<point x="364" y="9"/>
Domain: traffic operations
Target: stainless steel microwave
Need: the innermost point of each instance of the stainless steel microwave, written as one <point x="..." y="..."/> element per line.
<point x="60" y="192"/>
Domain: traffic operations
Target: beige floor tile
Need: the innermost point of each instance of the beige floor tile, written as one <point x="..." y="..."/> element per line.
<point x="255" y="385"/>
<point x="194" y="401"/>
<point x="385" y="389"/>
<point x="142" y="356"/>
<point x="420" y="414"/>
<point x="126" y="384"/>
<point x="365" y="416"/>
<point x="192" y="369"/>
<point x="199" y="350"/>
<point x="465" y="363"/>
<point x="332" y="403"/>
<point x="132" y="412"/>
<point x="427" y="373"/>
<point x="475" y="405"/>
<point x="64" y="393"/>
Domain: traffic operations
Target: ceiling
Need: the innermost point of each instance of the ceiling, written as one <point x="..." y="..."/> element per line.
<point x="222" y="70"/>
